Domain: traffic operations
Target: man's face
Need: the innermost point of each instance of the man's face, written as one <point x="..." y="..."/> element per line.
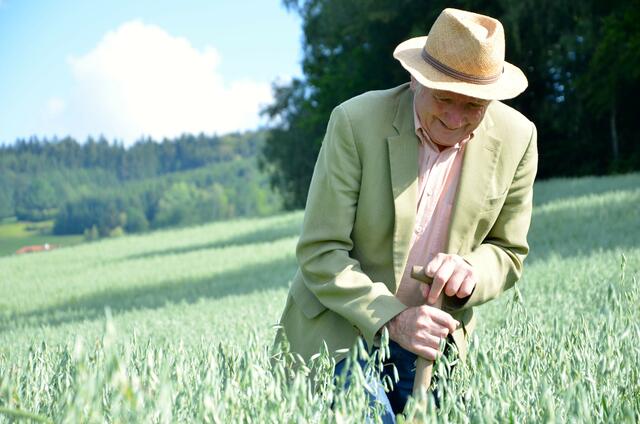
<point x="448" y="117"/>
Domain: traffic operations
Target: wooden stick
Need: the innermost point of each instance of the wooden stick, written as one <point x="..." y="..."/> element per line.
<point x="424" y="367"/>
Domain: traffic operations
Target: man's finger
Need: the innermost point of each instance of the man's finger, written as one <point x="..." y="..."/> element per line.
<point x="454" y="283"/>
<point x="425" y="290"/>
<point x="466" y="288"/>
<point x="440" y="278"/>
<point x="434" y="264"/>
<point x="429" y="353"/>
<point x="434" y="291"/>
<point x="432" y="341"/>
<point x="441" y="317"/>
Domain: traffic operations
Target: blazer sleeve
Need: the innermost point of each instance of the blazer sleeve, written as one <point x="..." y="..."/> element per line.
<point x="323" y="251"/>
<point x="498" y="260"/>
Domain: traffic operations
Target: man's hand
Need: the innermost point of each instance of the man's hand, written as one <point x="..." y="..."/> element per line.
<point x="451" y="273"/>
<point x="419" y="329"/>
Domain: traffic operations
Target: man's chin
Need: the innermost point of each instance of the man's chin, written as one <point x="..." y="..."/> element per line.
<point x="445" y="142"/>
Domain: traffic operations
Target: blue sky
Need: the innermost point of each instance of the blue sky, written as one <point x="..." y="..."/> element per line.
<point x="125" y="69"/>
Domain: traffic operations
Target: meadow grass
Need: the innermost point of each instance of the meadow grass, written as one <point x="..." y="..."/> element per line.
<point x="176" y="326"/>
<point x="14" y="235"/>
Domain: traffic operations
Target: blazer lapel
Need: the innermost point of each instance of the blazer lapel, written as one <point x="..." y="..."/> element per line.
<point x="403" y="163"/>
<point x="478" y="167"/>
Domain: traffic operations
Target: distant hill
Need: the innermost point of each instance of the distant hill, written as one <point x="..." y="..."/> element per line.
<point x="99" y="188"/>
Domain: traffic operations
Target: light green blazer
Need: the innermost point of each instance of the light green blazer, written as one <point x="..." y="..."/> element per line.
<point x="361" y="210"/>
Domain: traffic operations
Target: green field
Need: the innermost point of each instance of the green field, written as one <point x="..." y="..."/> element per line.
<point x="175" y="326"/>
<point x="14" y="235"/>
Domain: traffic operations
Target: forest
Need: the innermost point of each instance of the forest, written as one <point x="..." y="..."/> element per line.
<point x="98" y="188"/>
<point x="582" y="60"/>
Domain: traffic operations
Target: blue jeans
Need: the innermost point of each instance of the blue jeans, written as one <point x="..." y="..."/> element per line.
<point x="394" y="401"/>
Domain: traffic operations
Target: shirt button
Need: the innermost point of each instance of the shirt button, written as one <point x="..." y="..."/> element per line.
<point x="419" y="229"/>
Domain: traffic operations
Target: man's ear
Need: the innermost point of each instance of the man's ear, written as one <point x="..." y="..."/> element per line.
<point x="413" y="84"/>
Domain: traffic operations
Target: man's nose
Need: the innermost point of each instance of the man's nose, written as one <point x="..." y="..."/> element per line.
<point x="454" y="117"/>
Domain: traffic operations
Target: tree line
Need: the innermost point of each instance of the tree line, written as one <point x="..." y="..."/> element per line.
<point x="101" y="189"/>
<point x="146" y="158"/>
<point x="582" y="60"/>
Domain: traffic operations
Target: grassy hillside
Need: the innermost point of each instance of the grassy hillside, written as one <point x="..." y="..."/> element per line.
<point x="191" y="314"/>
<point x="14" y="235"/>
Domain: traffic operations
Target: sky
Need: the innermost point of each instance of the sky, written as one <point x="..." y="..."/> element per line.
<point x="127" y="69"/>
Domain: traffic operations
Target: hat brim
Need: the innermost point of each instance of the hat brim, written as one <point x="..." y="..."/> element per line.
<point x="511" y="83"/>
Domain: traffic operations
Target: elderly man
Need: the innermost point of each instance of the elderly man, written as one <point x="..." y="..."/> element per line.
<point x="435" y="173"/>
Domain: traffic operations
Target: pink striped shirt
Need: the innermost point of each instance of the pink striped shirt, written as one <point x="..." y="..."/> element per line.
<point x="438" y="176"/>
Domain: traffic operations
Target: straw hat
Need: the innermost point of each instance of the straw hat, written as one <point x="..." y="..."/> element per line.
<point x="463" y="53"/>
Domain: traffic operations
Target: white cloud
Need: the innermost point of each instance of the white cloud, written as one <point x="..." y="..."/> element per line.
<point x="140" y="80"/>
<point x="55" y="105"/>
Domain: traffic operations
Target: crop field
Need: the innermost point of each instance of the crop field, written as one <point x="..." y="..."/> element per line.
<point x="176" y="326"/>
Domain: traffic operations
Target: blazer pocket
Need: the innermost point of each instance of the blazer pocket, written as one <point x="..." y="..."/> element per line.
<point x="306" y="301"/>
